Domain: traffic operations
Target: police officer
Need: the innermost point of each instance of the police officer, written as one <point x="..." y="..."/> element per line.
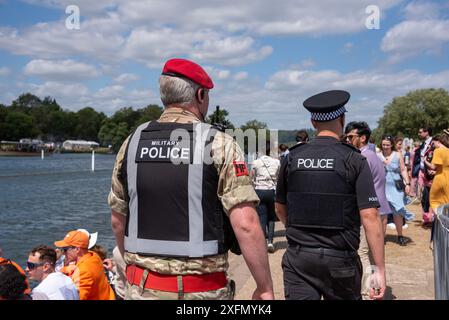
<point x="325" y="190"/>
<point x="178" y="186"/>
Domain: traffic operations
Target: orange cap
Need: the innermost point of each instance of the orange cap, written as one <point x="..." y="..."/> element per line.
<point x="74" y="239"/>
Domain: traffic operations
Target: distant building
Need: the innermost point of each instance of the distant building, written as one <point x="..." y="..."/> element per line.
<point x="79" y="145"/>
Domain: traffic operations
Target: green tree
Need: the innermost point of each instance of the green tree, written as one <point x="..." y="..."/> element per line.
<point x="127" y="115"/>
<point x="220" y="117"/>
<point x="18" y="125"/>
<point x="25" y="102"/>
<point x="44" y="117"/>
<point x="113" y="134"/>
<point x="404" y="115"/>
<point x="3" y="125"/>
<point x="149" y="113"/>
<point x="88" y="123"/>
<point x="63" y="125"/>
<point x="254" y="125"/>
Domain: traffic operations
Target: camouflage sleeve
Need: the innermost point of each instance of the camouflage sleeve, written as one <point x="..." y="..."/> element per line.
<point x="234" y="183"/>
<point x="117" y="198"/>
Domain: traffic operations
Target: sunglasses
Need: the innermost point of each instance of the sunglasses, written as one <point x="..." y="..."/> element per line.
<point x="65" y="249"/>
<point x="351" y="136"/>
<point x="32" y="265"/>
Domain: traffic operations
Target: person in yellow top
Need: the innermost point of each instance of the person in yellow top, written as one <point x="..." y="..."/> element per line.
<point x="439" y="192"/>
<point x="88" y="274"/>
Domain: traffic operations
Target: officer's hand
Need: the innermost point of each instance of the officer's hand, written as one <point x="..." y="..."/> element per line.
<point x="263" y="295"/>
<point x="377" y="291"/>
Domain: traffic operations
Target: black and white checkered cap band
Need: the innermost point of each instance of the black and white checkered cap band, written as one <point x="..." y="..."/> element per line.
<point x="328" y="116"/>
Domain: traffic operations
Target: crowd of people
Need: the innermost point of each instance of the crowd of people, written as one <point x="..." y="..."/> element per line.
<point x="182" y="197"/>
<point x="76" y="268"/>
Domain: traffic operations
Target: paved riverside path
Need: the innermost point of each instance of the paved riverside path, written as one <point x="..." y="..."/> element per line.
<point x="409" y="269"/>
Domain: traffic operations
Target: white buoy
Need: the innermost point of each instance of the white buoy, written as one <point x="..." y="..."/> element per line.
<point x="93" y="160"/>
<point x="42" y="154"/>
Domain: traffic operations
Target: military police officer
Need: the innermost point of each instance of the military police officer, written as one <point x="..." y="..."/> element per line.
<point x="325" y="191"/>
<point x="178" y="186"/>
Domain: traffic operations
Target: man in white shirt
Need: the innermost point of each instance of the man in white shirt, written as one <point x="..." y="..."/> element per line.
<point x="55" y="285"/>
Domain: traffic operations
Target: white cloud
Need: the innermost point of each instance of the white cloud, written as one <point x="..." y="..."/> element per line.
<point x="98" y="38"/>
<point x="76" y="96"/>
<point x="85" y="6"/>
<point x="264" y="17"/>
<point x="152" y="47"/>
<point x="4" y="71"/>
<point x="217" y="74"/>
<point x="285" y="91"/>
<point x="151" y="31"/>
<point x="410" y="38"/>
<point x="240" y="76"/>
<point x="231" y="51"/>
<point x="62" y="70"/>
<point x="111" y="98"/>
<point x="422" y="10"/>
<point x="155" y="46"/>
<point x="126" y="78"/>
<point x="109" y="92"/>
<point x="60" y="91"/>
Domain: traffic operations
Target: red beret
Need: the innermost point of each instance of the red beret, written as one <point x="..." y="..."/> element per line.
<point x="189" y="70"/>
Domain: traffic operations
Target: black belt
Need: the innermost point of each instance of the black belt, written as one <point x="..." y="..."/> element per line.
<point x="327" y="252"/>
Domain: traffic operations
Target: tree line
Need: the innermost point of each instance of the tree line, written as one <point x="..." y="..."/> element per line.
<point x="31" y="117"/>
<point x="403" y="116"/>
<point x="28" y="116"/>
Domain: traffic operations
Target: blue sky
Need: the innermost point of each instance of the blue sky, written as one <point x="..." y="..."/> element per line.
<point x="265" y="57"/>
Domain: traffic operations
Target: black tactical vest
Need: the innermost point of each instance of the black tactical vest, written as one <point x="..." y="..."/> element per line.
<point x="320" y="193"/>
<point x="172" y="187"/>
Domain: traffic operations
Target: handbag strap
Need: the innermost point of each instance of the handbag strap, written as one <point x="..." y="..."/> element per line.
<point x="266" y="167"/>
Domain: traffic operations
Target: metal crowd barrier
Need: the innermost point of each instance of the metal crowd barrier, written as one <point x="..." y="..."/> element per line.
<point x="441" y="252"/>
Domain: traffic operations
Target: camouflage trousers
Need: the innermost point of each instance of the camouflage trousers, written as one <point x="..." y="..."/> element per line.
<point x="134" y="292"/>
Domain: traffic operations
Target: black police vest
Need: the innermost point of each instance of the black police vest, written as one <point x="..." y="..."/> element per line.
<point x="320" y="193"/>
<point x="172" y="187"/>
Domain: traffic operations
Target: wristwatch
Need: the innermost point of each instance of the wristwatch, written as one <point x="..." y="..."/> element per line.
<point x="407" y="184"/>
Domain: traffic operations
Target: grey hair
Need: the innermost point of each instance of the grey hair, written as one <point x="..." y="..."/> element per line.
<point x="175" y="90"/>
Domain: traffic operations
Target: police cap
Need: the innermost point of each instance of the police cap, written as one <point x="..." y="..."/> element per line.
<point x="327" y="106"/>
<point x="187" y="69"/>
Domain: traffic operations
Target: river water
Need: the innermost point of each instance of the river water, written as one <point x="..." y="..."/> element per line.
<point x="41" y="200"/>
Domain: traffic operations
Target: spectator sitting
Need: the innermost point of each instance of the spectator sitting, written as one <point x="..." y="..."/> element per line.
<point x="89" y="274"/>
<point x="7" y="261"/>
<point x="92" y="238"/>
<point x="69" y="267"/>
<point x="107" y="263"/>
<point x="41" y="268"/>
<point x="12" y="283"/>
